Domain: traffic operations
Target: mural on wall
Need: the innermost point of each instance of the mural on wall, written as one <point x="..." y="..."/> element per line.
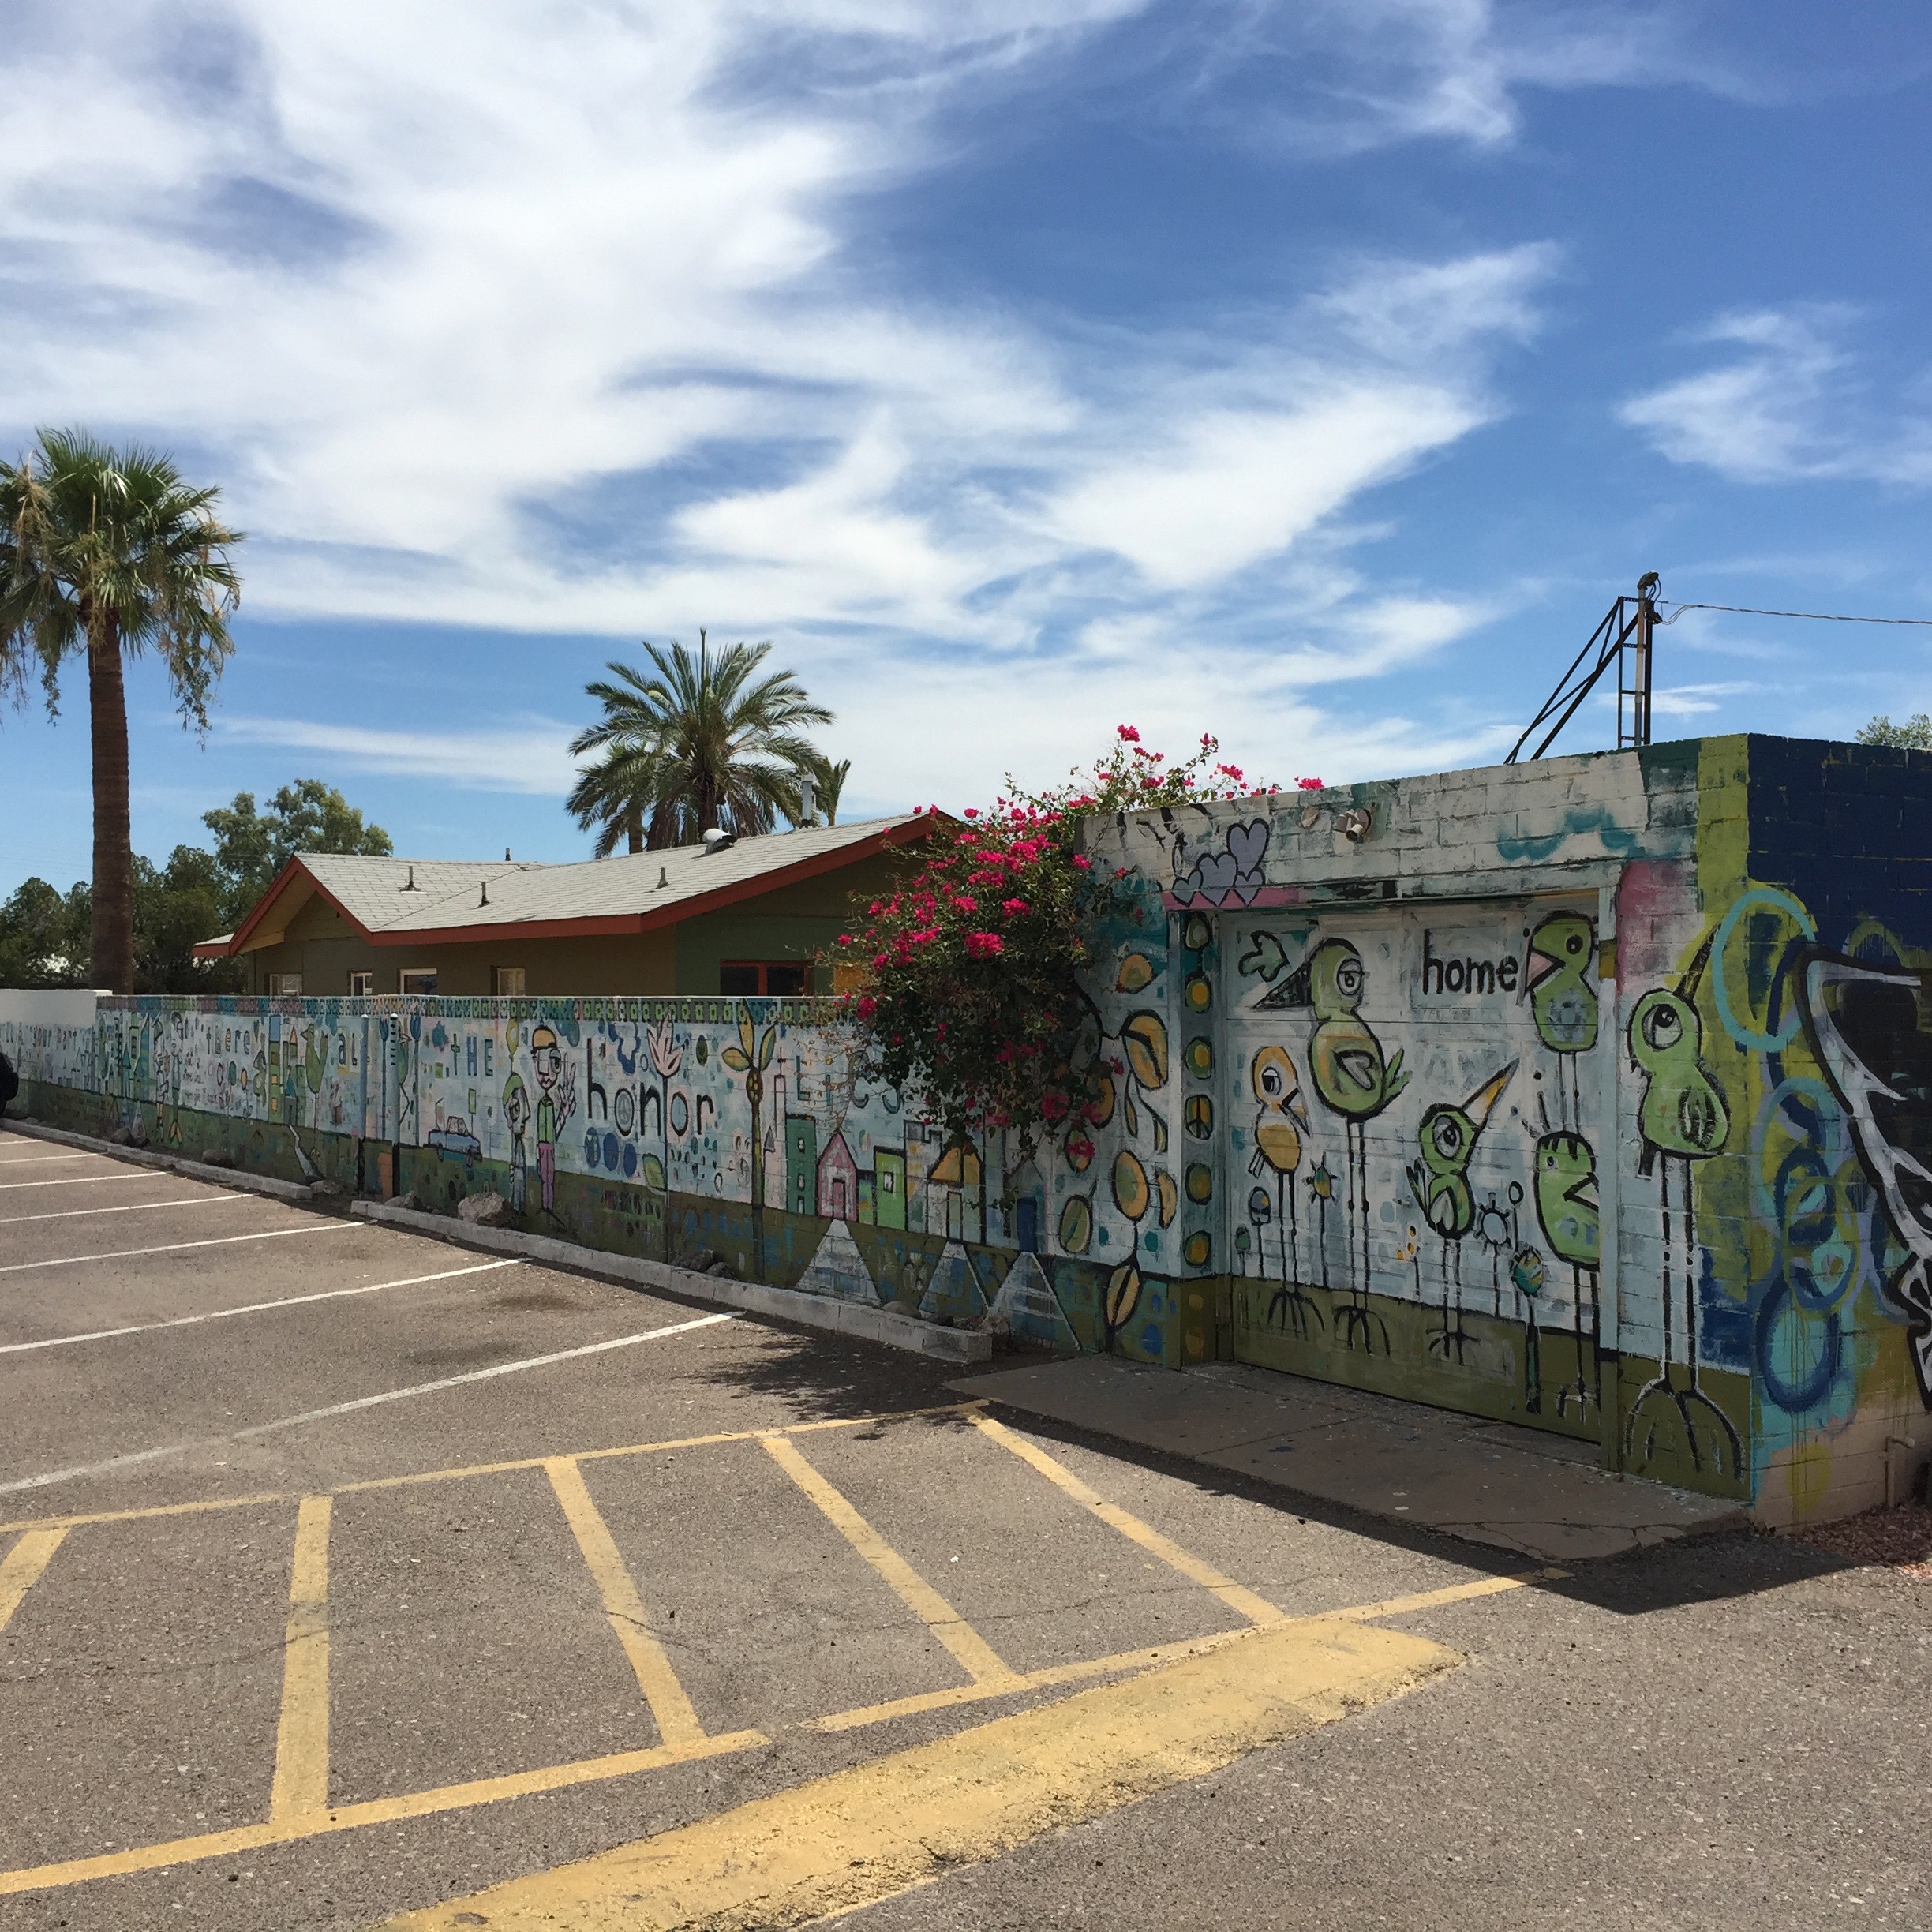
<point x="1864" y="1024"/>
<point x="1439" y="1146"/>
<point x="1653" y="1166"/>
<point x="1681" y="1119"/>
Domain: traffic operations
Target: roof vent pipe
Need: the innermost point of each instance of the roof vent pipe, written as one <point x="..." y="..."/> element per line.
<point x="484" y="899"/>
<point x="663" y="877"/>
<point x="715" y="839"/>
<point x="808" y="799"/>
<point x="410" y="886"/>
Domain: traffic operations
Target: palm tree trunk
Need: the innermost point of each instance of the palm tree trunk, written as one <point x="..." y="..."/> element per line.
<point x="634" y="827"/>
<point x="113" y="963"/>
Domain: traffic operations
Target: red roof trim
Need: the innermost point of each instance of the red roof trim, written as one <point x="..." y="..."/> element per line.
<point x="283" y="880"/>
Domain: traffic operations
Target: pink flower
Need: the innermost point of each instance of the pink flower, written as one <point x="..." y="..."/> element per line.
<point x="1052" y="1104"/>
<point x="1081" y="861"/>
<point x="1311" y="784"/>
<point x="971" y="811"/>
<point x="965" y="902"/>
<point x="1129" y="735"/>
<point x="984" y="944"/>
<point x="868" y="1007"/>
<point x="1013" y="906"/>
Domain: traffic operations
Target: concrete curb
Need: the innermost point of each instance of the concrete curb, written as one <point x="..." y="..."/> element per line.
<point x="177" y="1163"/>
<point x="964" y="1346"/>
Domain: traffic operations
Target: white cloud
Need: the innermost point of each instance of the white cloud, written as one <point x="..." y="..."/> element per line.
<point x="1340" y="77"/>
<point x="535" y="758"/>
<point x="1790" y="403"/>
<point x="549" y="319"/>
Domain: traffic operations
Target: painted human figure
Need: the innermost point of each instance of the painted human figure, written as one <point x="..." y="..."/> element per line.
<point x="516" y="1108"/>
<point x="547" y="1063"/>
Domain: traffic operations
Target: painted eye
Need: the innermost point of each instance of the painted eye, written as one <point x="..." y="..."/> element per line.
<point x="1663" y="1027"/>
<point x="1271" y="1082"/>
<point x="1349" y="978"/>
<point x="1574" y="944"/>
<point x="1448" y="1136"/>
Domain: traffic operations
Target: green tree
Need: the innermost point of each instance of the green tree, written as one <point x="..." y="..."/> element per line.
<point x="1914" y="734"/>
<point x="175" y="908"/>
<point x="252" y="847"/>
<point x="105" y="553"/>
<point x="43" y="936"/>
<point x="693" y="740"/>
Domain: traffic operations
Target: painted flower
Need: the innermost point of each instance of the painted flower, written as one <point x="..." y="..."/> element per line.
<point x="666" y="1055"/>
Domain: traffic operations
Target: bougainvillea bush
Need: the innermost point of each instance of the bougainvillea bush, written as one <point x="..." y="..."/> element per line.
<point x="969" y="985"/>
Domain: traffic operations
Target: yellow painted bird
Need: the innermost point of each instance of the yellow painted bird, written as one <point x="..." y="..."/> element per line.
<point x="1280" y="1121"/>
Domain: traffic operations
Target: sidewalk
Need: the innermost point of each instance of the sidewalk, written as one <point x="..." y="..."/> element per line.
<point x="1516" y="1488"/>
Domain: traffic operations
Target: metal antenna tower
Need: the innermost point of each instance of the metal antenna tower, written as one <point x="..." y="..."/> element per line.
<point x="1622" y="638"/>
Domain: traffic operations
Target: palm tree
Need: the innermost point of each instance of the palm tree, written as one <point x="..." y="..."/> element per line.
<point x="691" y="742"/>
<point x="105" y="552"/>
<point x="830" y="780"/>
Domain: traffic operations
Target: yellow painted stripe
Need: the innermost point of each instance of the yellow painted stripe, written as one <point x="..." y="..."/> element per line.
<point x="1455" y="1593"/>
<point x="677" y="1723"/>
<point x="1244" y="1603"/>
<point x="969" y="1650"/>
<point x="375" y="1811"/>
<point x="463" y="1470"/>
<point x="21" y="1570"/>
<point x="1117" y="1665"/>
<point x="302" y="1772"/>
<point x="848" y="1840"/>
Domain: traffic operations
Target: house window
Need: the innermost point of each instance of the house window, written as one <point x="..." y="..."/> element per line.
<point x="362" y="985"/>
<point x="285" y="985"/>
<point x="416" y="979"/>
<point x="510" y="982"/>
<point x="773" y="979"/>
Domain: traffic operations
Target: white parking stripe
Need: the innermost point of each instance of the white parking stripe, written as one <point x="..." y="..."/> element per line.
<point x="350" y="1408"/>
<point x="218" y="1240"/>
<point x="71" y="1213"/>
<point x="93" y="1180"/>
<point x="36" y="1160"/>
<point x="251" y="1308"/>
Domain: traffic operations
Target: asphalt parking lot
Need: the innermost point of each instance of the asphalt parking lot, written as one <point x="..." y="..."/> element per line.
<point x="344" y="1572"/>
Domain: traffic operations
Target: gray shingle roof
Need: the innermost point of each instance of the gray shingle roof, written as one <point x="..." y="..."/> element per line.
<point x="449" y="893"/>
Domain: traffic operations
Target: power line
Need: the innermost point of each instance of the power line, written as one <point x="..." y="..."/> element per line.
<point x="1746" y="610"/>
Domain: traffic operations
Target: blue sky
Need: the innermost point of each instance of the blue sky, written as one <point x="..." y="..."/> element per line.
<point x="1313" y="374"/>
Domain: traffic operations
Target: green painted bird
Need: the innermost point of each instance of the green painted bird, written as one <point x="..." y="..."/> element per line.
<point x="1447" y="1138"/>
<point x="1345" y="1058"/>
<point x="1561" y="999"/>
<point x="1683" y="1111"/>
<point x="1565" y="1198"/>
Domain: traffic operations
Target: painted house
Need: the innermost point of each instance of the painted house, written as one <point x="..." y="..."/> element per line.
<point x="746" y="916"/>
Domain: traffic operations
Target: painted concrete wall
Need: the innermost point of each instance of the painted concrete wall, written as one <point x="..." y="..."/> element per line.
<point x="1680" y="988"/>
<point x="1592" y="1095"/>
